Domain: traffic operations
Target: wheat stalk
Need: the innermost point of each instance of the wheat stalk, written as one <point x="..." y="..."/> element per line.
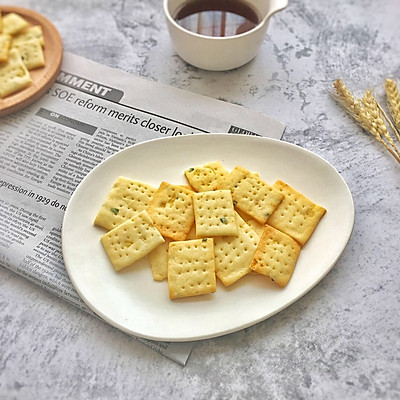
<point x="366" y="115"/>
<point x="393" y="102"/>
<point x="377" y="117"/>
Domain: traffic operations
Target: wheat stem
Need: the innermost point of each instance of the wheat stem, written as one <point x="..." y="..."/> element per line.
<point x="393" y="101"/>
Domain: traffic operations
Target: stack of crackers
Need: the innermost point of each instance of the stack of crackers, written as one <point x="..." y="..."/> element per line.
<point x="21" y="50"/>
<point x="221" y="225"/>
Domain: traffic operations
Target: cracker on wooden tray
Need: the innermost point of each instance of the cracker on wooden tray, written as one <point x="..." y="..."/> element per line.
<point x="31" y="53"/>
<point x="131" y="240"/>
<point x="251" y="194"/>
<point x="14" y="76"/>
<point x="171" y="209"/>
<point x="206" y="177"/>
<point x="191" y="268"/>
<point x="126" y="198"/>
<point x="234" y="254"/>
<point x="276" y="255"/>
<point x="214" y="213"/>
<point x="27" y="34"/>
<point x="13" y="23"/>
<point x="5" y="44"/>
<point x="297" y="215"/>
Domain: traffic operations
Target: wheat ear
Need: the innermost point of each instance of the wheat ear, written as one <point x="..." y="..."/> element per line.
<point x="393" y="101"/>
<point x="361" y="114"/>
<point x="377" y="117"/>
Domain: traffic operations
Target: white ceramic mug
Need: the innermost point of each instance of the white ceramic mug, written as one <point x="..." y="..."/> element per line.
<point x="220" y="53"/>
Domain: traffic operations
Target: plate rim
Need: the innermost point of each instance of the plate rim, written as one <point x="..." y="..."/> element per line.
<point x="25" y="97"/>
<point x="242" y="326"/>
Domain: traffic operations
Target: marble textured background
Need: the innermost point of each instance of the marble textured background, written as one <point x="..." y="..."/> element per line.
<point x="341" y="340"/>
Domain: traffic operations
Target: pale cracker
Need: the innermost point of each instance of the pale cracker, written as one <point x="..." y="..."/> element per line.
<point x="276" y="255"/>
<point x="131" y="241"/>
<point x="251" y="194"/>
<point x="159" y="261"/>
<point x="32" y="32"/>
<point x="214" y="213"/>
<point x="126" y="198"/>
<point x="172" y="210"/>
<point x="13" y="74"/>
<point x="297" y="215"/>
<point x="206" y="177"/>
<point x="5" y="43"/>
<point x="1" y="22"/>
<point x="191" y="268"/>
<point x="13" y="23"/>
<point x="234" y="254"/>
<point x="31" y="53"/>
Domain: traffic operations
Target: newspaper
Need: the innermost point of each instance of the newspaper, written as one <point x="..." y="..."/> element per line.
<point x="91" y="112"/>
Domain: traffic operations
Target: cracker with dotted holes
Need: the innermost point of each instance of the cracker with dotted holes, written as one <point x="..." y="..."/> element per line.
<point x="126" y="198"/>
<point x="171" y="209"/>
<point x="5" y="43"/>
<point x="251" y="194"/>
<point x="13" y="23"/>
<point x="234" y="254"/>
<point x="255" y="225"/>
<point x="191" y="268"/>
<point x="297" y="215"/>
<point x="31" y="53"/>
<point x="276" y="255"/>
<point x="32" y="32"/>
<point x="13" y="74"/>
<point x="131" y="240"/>
<point x="214" y="214"/>
<point x="206" y="177"/>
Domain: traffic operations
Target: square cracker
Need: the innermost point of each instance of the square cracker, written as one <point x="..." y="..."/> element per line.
<point x="214" y="213"/>
<point x="276" y="255"/>
<point x="191" y="268"/>
<point x="171" y="209"/>
<point x="131" y="241"/>
<point x="234" y="254"/>
<point x="251" y="194"/>
<point x="31" y="53"/>
<point x="13" y="74"/>
<point x="297" y="215"/>
<point x="32" y="32"/>
<point x="206" y="177"/>
<point x="13" y="23"/>
<point x="126" y="198"/>
<point x="5" y="43"/>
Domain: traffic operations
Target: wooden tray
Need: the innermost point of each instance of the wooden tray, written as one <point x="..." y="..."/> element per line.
<point x="43" y="78"/>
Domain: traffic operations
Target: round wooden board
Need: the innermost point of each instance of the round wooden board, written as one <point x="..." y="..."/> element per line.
<point x="43" y="78"/>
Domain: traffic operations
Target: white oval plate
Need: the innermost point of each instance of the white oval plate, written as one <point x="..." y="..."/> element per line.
<point x="133" y="302"/>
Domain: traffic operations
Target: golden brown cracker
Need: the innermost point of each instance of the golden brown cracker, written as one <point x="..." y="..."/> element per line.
<point x="276" y="255"/>
<point x="297" y="215"/>
<point x="251" y="194"/>
<point x="172" y="210"/>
